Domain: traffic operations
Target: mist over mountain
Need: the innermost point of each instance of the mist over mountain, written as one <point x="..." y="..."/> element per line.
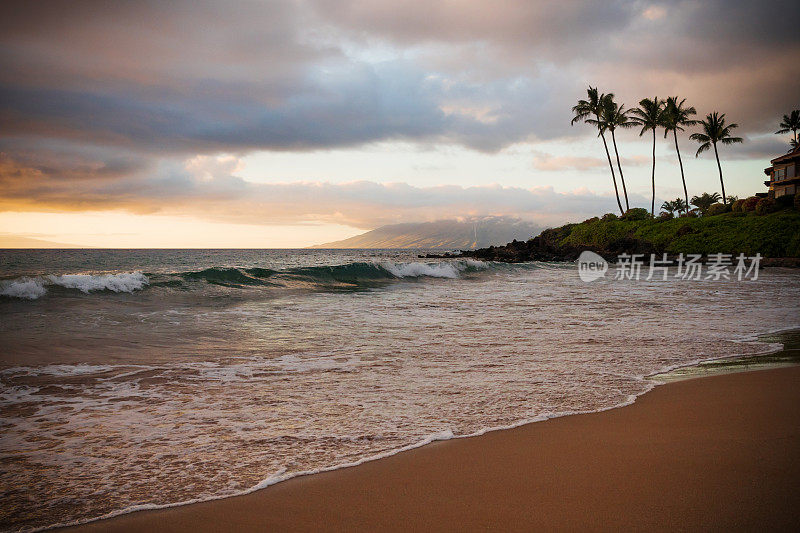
<point x="461" y="234"/>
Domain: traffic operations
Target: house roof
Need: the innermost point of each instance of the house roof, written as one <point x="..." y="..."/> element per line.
<point x="795" y="153"/>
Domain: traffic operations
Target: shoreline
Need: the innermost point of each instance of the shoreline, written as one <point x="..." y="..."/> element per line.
<point x="163" y="517"/>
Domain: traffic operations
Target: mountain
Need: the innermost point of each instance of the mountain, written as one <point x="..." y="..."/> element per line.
<point x="463" y="234"/>
<point x="9" y="240"/>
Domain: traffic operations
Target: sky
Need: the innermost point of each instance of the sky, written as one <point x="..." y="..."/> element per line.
<point x="296" y="122"/>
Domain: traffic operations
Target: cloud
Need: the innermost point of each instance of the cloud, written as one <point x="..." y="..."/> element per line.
<point x="551" y="163"/>
<point x="189" y="77"/>
<point x="548" y="163"/>
<point x="102" y="104"/>
<point x="654" y="12"/>
<point x="763" y="147"/>
<point x="204" y="186"/>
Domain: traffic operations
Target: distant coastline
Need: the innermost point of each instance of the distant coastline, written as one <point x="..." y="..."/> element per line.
<point x="776" y="236"/>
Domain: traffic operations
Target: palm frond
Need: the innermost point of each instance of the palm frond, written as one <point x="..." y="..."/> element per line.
<point x="592" y="106"/>
<point x="705" y="200"/>
<point x="790" y="122"/>
<point x="676" y="115"/>
<point x="715" y="131"/>
<point x="615" y="116"/>
<point x="649" y="115"/>
<point x="703" y="148"/>
<point x="731" y="140"/>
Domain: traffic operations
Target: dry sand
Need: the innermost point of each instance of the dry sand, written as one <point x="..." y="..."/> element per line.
<point x="720" y="453"/>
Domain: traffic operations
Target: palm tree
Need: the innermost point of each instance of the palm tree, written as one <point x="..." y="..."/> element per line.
<point x="715" y="131"/>
<point x="675" y="117"/>
<point x="676" y="205"/>
<point x="612" y="117"/>
<point x="791" y="122"/>
<point x="705" y="200"/>
<point x="794" y="144"/>
<point x="593" y="107"/>
<point x="650" y="116"/>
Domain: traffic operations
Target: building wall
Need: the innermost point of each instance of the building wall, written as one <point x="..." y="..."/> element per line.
<point x="789" y="189"/>
<point x="782" y="172"/>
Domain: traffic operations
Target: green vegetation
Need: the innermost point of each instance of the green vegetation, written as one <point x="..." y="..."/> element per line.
<point x="675" y="206"/>
<point x="750" y="204"/>
<point x="765" y="206"/>
<point x="637" y="213"/>
<point x="717" y="209"/>
<point x="718" y="223"/>
<point x="774" y="234"/>
<point x="705" y="200"/>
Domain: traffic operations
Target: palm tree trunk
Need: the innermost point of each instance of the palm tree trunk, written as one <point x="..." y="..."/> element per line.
<point x="611" y="166"/>
<point x="621" y="178"/>
<point x="683" y="178"/>
<point x="653" y="203"/>
<point x="722" y="183"/>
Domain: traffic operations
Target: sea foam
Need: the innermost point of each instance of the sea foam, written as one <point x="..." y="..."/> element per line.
<point x="123" y="282"/>
<point x="433" y="270"/>
<point x="26" y="288"/>
<point x="33" y="288"/>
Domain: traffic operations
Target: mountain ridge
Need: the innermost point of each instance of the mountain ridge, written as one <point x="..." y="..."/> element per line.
<point x="463" y="234"/>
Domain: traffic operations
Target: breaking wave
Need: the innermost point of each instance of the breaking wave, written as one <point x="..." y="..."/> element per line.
<point x="32" y="288"/>
<point x="347" y="276"/>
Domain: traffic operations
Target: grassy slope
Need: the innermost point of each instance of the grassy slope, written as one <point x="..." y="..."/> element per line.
<point x="773" y="235"/>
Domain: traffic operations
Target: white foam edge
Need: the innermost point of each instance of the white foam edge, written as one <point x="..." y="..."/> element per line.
<point x="445" y="435"/>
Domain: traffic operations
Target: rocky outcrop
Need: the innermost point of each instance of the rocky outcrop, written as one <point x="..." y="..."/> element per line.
<point x="547" y="247"/>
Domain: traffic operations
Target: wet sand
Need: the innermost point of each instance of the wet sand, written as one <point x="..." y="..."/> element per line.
<point x="720" y="452"/>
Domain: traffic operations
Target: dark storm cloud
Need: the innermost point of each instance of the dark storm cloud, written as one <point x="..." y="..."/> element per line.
<point x="214" y="76"/>
<point x="118" y="91"/>
<point x="312" y="119"/>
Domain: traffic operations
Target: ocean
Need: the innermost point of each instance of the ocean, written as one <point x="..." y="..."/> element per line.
<point x="135" y="379"/>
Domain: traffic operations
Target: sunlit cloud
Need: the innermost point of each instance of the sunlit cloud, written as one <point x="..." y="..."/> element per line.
<point x="205" y="187"/>
<point x="550" y="163"/>
<point x="127" y="106"/>
<point x="654" y="12"/>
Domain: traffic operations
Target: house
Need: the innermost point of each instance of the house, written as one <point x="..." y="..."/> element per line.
<point x="784" y="174"/>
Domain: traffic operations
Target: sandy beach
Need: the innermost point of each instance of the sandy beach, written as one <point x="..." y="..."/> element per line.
<point x="716" y="453"/>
